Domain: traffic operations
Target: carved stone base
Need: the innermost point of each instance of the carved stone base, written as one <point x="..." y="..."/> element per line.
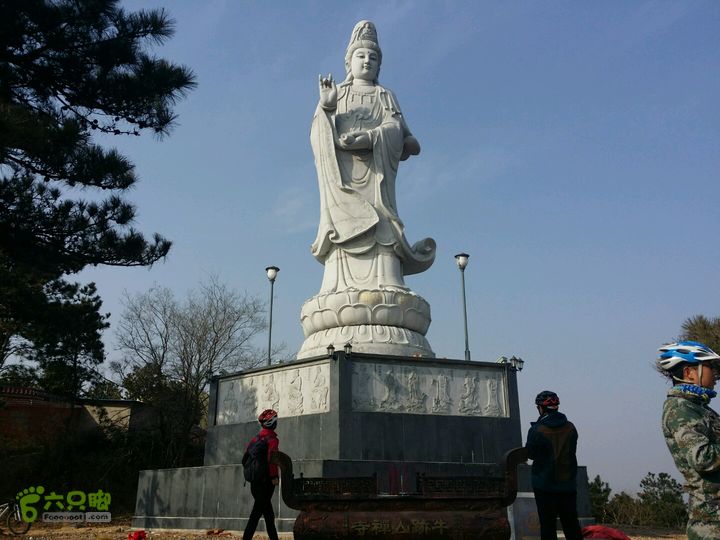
<point x="354" y="307"/>
<point x="374" y="321"/>
<point x="369" y="339"/>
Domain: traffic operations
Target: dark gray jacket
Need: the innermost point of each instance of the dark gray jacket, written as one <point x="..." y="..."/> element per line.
<point x="551" y="444"/>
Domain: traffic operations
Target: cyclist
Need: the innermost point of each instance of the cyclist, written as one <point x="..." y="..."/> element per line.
<point x="692" y="430"/>
<point x="262" y="488"/>
<point x="551" y="444"/>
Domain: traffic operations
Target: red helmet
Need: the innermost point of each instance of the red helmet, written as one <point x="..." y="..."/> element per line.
<point x="548" y="400"/>
<point x="268" y="418"/>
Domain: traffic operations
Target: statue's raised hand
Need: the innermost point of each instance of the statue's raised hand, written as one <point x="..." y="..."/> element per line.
<point x="328" y="92"/>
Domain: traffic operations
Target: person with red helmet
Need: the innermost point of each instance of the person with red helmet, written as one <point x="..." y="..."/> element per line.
<point x="551" y="444"/>
<point x="264" y="480"/>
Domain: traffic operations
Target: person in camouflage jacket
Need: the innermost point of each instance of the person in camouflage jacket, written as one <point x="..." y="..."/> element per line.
<point x="692" y="431"/>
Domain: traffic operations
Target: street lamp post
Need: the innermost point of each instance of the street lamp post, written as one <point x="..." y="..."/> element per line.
<point x="515" y="363"/>
<point x="272" y="272"/>
<point x="462" y="260"/>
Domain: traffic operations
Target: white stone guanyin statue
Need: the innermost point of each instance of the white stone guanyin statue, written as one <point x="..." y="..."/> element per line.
<point x="359" y="137"/>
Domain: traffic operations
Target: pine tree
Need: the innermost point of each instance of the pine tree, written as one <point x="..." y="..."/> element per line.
<point x="67" y="340"/>
<point x="599" y="492"/>
<point x="703" y="329"/>
<point x="662" y="497"/>
<point x="70" y="69"/>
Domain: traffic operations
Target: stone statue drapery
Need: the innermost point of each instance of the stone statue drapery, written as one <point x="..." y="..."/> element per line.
<point x="360" y="238"/>
<point x="359" y="137"/>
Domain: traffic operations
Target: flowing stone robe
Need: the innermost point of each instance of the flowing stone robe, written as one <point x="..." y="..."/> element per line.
<point x="360" y="238"/>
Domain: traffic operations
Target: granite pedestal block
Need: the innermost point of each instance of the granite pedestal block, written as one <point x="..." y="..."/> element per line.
<point x="365" y="407"/>
<point x="341" y="415"/>
<point x="214" y="496"/>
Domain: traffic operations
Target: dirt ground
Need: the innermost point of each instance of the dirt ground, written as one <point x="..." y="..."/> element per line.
<point x="650" y="534"/>
<point x="120" y="527"/>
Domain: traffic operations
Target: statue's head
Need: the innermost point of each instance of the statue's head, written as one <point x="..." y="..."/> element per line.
<point x="363" y="47"/>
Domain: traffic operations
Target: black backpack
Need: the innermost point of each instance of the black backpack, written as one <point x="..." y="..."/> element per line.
<point x="255" y="463"/>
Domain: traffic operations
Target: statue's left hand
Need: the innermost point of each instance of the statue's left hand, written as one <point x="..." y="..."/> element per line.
<point x="356" y="140"/>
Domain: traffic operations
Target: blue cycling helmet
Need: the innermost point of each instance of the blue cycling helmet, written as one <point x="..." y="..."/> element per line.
<point x="684" y="352"/>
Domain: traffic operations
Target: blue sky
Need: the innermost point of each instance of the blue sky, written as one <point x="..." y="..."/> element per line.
<point x="572" y="148"/>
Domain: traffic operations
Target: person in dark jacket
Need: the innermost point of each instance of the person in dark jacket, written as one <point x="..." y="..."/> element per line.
<point x="551" y="444"/>
<point x="262" y="490"/>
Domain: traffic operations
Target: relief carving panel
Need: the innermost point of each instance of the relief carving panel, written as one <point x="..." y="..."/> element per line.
<point x="291" y="392"/>
<point x="457" y="391"/>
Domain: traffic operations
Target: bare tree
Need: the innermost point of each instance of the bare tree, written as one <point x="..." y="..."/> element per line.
<point x="171" y="348"/>
<point x="210" y="331"/>
<point x="144" y="333"/>
<point x="213" y="332"/>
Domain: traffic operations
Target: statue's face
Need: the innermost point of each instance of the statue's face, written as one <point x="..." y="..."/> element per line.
<point x="364" y="64"/>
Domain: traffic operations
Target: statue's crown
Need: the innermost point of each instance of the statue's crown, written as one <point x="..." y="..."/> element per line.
<point x="364" y="31"/>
